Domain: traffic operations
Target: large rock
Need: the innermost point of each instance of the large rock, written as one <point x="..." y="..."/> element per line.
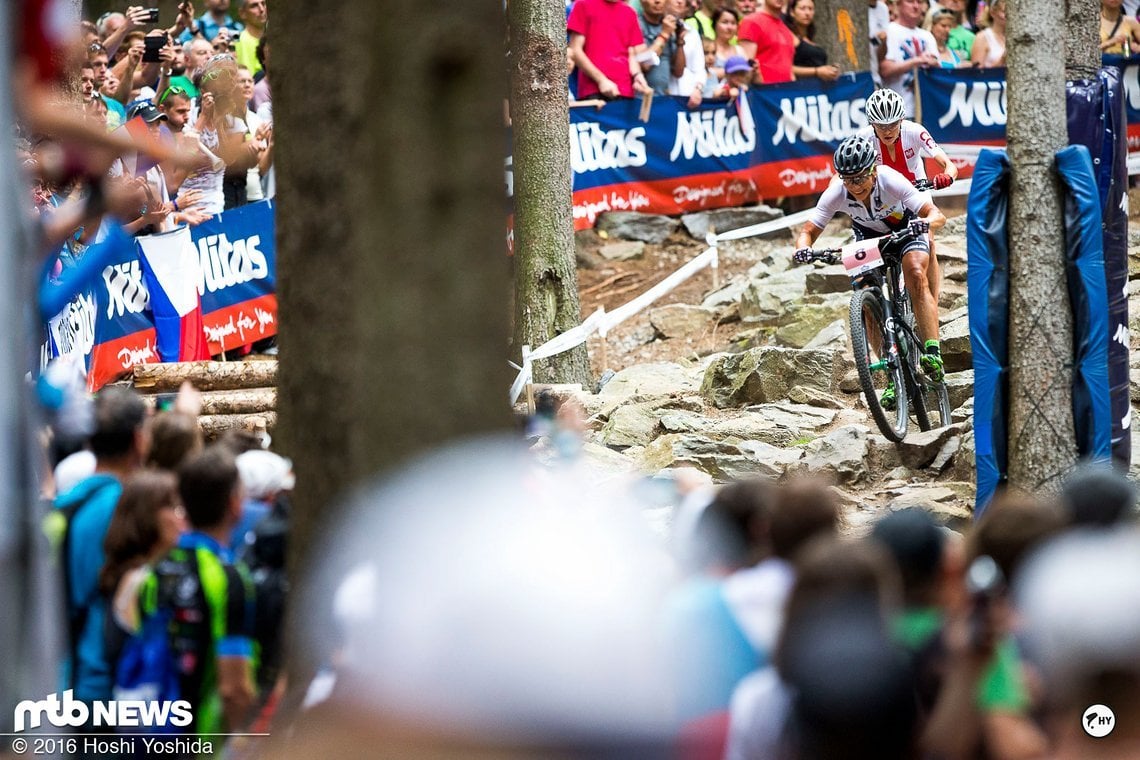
<point x="726" y="301"/>
<point x="832" y="336"/>
<point x="770" y="298"/>
<point x="960" y="387"/>
<point x="723" y="460"/>
<point x="842" y="452"/>
<point x="764" y="375"/>
<point x="630" y="225"/>
<point x="680" y="320"/>
<point x="726" y="219"/>
<point x="815" y="397"/>
<point x="920" y="448"/>
<point x="829" y="279"/>
<point x="622" y="250"/>
<point x="776" y="424"/>
<point x="630" y="425"/>
<point x="801" y="324"/>
<point x="945" y="503"/>
<point x="649" y="380"/>
<point x="956" y="352"/>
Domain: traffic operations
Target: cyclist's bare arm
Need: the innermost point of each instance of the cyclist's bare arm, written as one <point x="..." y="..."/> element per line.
<point x="930" y="214"/>
<point x="808" y="235"/>
<point x="944" y="161"/>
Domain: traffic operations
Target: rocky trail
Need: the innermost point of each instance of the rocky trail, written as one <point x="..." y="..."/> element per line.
<point x="755" y="377"/>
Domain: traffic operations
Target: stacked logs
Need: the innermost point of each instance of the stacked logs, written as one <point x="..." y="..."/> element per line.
<point x="240" y="394"/>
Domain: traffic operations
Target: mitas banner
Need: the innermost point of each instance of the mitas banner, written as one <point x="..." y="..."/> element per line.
<point x="777" y="141"/>
<point x="233" y="265"/>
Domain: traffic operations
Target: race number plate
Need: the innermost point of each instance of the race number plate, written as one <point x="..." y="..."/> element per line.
<point x="861" y="257"/>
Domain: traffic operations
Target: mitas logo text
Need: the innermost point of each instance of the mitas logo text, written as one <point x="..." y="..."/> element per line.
<point x="814" y="117"/>
<point x="225" y="263"/>
<point x="69" y="712"/>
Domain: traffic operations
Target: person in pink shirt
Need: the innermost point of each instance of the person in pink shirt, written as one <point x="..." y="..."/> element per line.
<point x="764" y="37"/>
<point x="605" y="39"/>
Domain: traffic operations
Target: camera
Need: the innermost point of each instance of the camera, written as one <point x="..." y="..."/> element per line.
<point x="152" y="46"/>
<point x="152" y="15"/>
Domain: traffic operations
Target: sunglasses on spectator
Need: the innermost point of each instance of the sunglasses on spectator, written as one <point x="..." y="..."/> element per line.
<point x="172" y="90"/>
<point x="96" y="47"/>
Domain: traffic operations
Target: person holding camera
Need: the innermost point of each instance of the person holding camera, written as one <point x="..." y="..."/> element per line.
<point x="665" y="38"/>
<point x="215" y="19"/>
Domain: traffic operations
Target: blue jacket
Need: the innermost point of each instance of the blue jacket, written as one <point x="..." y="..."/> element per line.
<point x="97" y="495"/>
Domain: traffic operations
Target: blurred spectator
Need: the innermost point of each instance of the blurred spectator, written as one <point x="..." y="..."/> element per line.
<point x="989" y="45"/>
<point x="174" y="437"/>
<point x="691" y="82"/>
<point x="264" y="477"/>
<point x="810" y="60"/>
<point x="81" y="519"/>
<point x="1119" y="33"/>
<point x="702" y="21"/>
<point x="211" y="623"/>
<point x="255" y="15"/>
<point x="743" y="7"/>
<point x="1080" y="607"/>
<point x="663" y="34"/>
<point x="212" y="21"/>
<point x="605" y="39"/>
<point x="713" y="80"/>
<point x="961" y="39"/>
<point x="909" y="47"/>
<point x="941" y="24"/>
<point x="147" y="523"/>
<point x="878" y="19"/>
<point x="260" y="134"/>
<point x="739" y="73"/>
<point x="97" y="59"/>
<point x="198" y="53"/>
<point x="796" y="514"/>
<point x="837" y="687"/>
<point x="262" y="96"/>
<point x="1097" y="496"/>
<point x="725" y="26"/>
<point x="765" y="39"/>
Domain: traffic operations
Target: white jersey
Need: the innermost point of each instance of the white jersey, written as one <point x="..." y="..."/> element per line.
<point x="885" y="211"/>
<point x="903" y="44"/>
<point x="913" y="145"/>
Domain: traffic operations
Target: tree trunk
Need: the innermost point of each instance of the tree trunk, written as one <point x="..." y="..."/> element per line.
<point x="392" y="273"/>
<point x="546" y="278"/>
<point x="1042" y="445"/>
<point x="841" y="30"/>
<point x="1082" y="39"/>
<point x="205" y="376"/>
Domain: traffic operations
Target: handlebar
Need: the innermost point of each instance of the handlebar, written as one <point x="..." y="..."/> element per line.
<point x="924" y="184"/>
<point x="834" y="255"/>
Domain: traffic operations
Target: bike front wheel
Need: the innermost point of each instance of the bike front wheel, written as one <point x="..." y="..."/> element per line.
<point x="931" y="404"/>
<point x="878" y="367"/>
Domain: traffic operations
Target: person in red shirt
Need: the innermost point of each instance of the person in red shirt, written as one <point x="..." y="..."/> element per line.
<point x="605" y="39"/>
<point x="763" y="37"/>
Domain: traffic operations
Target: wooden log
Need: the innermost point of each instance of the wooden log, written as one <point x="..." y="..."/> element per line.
<point x="206" y="376"/>
<point x="248" y="401"/>
<point x="213" y="425"/>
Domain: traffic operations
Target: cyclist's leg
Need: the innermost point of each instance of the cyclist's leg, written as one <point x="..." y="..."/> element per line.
<point x="915" y="263"/>
<point x="934" y="272"/>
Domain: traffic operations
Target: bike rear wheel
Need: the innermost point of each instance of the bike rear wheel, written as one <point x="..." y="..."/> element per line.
<point x="876" y="366"/>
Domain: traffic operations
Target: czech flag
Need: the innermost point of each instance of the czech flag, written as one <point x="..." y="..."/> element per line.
<point x="171" y="269"/>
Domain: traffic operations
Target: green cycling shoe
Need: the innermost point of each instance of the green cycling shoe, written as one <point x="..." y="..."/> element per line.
<point x="888" y="400"/>
<point x="932" y="361"/>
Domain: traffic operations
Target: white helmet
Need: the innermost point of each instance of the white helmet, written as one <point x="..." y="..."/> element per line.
<point x="885" y="106"/>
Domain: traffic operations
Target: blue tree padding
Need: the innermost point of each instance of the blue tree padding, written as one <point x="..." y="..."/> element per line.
<point x="1097" y="119"/>
<point x="1088" y="301"/>
<point x="987" y="281"/>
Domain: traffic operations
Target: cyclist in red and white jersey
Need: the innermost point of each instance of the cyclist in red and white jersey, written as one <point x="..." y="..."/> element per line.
<point x="879" y="201"/>
<point x="902" y="145"/>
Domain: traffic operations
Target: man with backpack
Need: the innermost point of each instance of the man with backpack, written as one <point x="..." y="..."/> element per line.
<point x="206" y="600"/>
<point x="82" y="515"/>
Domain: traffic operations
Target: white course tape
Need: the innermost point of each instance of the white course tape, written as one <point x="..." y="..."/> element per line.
<point x="759" y="229"/>
<point x="622" y="313"/>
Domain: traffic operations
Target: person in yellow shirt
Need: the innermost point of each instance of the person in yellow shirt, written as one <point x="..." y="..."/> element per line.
<point x="254" y="14"/>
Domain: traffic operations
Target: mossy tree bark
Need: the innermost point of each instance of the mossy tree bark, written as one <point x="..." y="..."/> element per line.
<point x="1042" y="444"/>
<point x="546" y="278"/>
<point x="392" y="274"/>
<point x="841" y="30"/>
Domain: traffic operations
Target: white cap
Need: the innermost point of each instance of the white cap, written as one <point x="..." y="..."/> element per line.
<point x="264" y="473"/>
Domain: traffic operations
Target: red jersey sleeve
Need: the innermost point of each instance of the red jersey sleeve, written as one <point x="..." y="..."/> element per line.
<point x="749" y="29"/>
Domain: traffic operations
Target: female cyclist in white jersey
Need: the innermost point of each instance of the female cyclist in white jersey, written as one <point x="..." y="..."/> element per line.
<point x="902" y="145"/>
<point x="879" y="201"/>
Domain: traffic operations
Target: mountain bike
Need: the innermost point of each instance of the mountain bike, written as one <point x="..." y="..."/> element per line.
<point x="886" y="347"/>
